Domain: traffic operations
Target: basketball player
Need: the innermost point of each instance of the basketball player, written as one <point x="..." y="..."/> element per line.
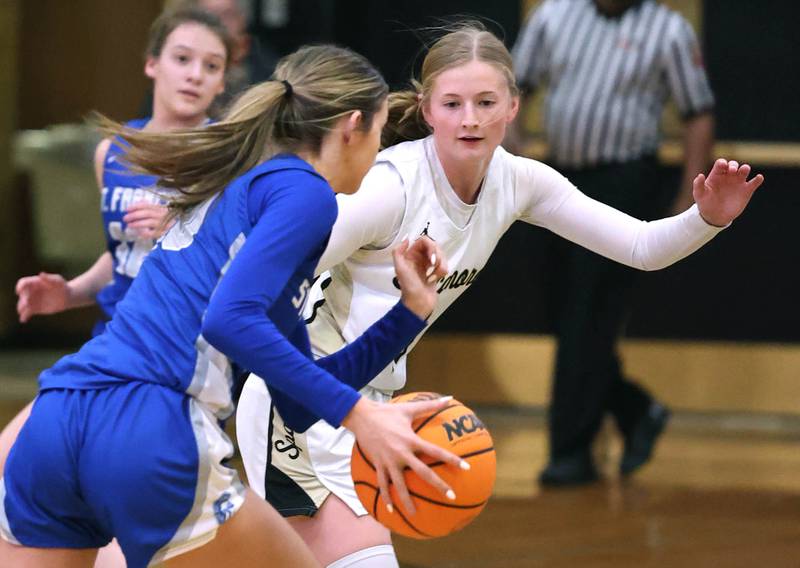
<point x="186" y="57"/>
<point x="455" y="184"/>
<point x="187" y="53"/>
<point x="124" y="439"/>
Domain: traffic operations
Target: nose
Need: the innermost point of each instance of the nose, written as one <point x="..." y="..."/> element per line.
<point x="470" y="118"/>
<point x="196" y="72"/>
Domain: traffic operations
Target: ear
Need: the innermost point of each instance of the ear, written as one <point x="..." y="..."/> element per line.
<point x="151" y="66"/>
<point x="426" y="113"/>
<point x="352" y="124"/>
<point x="512" y="113"/>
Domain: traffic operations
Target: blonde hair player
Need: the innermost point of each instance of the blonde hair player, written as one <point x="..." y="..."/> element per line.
<point x="453" y="182"/>
<point x="141" y="456"/>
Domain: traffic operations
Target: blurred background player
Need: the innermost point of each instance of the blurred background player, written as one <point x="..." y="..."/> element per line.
<point x="609" y="65"/>
<point x="252" y="59"/>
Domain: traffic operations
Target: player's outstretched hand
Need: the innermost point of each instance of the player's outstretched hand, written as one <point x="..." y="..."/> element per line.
<point x="41" y="294"/>
<point x="384" y="433"/>
<point x="147" y="219"/>
<point x="723" y="195"/>
<point x="419" y="266"/>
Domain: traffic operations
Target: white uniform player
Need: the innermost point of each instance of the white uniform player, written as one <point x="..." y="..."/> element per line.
<point x="407" y="193"/>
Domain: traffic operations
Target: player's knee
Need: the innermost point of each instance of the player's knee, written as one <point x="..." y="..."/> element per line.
<point x="381" y="556"/>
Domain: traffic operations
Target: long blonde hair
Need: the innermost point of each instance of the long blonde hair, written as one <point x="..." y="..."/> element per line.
<point x="461" y="43"/>
<point x="311" y="90"/>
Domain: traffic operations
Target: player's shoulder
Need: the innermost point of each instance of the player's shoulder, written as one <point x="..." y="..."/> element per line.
<point x="290" y="179"/>
<point x="525" y="170"/>
<point x="404" y="158"/>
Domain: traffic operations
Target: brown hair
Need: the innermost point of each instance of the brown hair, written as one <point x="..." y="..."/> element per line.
<point x="312" y="89"/>
<point x="170" y="20"/>
<point x="461" y="43"/>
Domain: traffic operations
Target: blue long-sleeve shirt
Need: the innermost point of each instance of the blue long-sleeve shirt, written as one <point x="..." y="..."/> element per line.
<point x="223" y="291"/>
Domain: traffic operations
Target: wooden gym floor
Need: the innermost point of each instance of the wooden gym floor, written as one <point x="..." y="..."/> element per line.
<point x="722" y="490"/>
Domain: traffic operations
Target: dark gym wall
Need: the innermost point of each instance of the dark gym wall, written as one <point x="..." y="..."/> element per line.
<point x="391" y="33"/>
<point x="753" y="59"/>
<point x="81" y="55"/>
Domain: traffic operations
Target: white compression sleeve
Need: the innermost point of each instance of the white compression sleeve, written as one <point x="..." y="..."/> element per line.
<point x="549" y="200"/>
<point x="369" y="218"/>
<point x="381" y="556"/>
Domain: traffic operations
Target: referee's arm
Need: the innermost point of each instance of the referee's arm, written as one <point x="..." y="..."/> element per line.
<point x="691" y="91"/>
<point x="529" y="68"/>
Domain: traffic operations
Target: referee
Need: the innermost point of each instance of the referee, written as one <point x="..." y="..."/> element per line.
<point x="610" y="65"/>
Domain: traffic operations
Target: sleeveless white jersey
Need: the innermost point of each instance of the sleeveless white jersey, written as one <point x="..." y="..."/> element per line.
<point x="362" y="288"/>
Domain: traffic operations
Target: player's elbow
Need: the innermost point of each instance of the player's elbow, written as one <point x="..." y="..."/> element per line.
<point x="214" y="329"/>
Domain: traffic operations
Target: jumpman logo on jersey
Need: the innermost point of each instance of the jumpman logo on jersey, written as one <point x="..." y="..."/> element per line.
<point x="425" y="233"/>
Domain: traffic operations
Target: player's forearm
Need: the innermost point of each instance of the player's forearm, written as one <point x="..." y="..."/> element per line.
<point x="83" y="289"/>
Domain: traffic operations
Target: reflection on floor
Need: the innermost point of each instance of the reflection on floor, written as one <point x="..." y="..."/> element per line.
<point x="722" y="491"/>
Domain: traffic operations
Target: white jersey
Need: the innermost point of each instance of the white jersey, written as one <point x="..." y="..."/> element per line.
<point x="361" y="285"/>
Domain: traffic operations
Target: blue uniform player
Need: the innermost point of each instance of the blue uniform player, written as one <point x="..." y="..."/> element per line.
<point x="123" y="191"/>
<point x="124" y="439"/>
<point x="186" y="57"/>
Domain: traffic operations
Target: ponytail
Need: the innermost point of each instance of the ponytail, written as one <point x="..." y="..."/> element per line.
<point x="405" y="121"/>
<point x="312" y="89"/>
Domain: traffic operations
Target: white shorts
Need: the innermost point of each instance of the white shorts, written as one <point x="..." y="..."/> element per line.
<point x="294" y="472"/>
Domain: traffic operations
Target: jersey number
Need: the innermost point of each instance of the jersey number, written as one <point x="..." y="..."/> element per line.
<point x="131" y="250"/>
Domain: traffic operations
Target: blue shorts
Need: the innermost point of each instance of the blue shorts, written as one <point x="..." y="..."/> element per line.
<point x="139" y="462"/>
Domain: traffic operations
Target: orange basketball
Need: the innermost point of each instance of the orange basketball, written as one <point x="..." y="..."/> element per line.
<point x="456" y="429"/>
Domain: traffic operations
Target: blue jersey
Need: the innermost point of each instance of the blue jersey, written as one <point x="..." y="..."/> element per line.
<point x="128" y="250"/>
<point x="223" y="292"/>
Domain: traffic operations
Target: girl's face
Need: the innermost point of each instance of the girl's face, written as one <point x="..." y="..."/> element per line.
<point x="189" y="73"/>
<point x="469" y="108"/>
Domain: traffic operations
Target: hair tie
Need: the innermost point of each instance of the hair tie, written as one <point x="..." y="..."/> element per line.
<point x="288" y="87"/>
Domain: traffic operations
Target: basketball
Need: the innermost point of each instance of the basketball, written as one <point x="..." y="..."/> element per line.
<point x="457" y="429"/>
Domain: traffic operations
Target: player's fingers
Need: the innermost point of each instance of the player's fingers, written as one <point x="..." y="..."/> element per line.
<point x="145" y="206"/>
<point x="720" y="166"/>
<point x="383" y="488"/>
<point x="699" y="185"/>
<point x="441" y="262"/>
<point x="439" y="454"/>
<point x="413" y="409"/>
<point x="428" y="476"/>
<point x="733" y="166"/>
<point x="401" y="248"/>
<point x="22" y="309"/>
<point x="744" y="171"/>
<point x="133" y="216"/>
<point x="399" y="483"/>
<point x="755" y="183"/>
<point x="141" y="223"/>
<point x="48" y="278"/>
<point x="24" y="284"/>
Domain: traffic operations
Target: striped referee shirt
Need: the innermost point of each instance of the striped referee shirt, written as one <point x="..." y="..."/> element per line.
<point x="609" y="77"/>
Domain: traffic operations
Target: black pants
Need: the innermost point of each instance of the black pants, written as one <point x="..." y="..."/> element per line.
<point x="590" y="297"/>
